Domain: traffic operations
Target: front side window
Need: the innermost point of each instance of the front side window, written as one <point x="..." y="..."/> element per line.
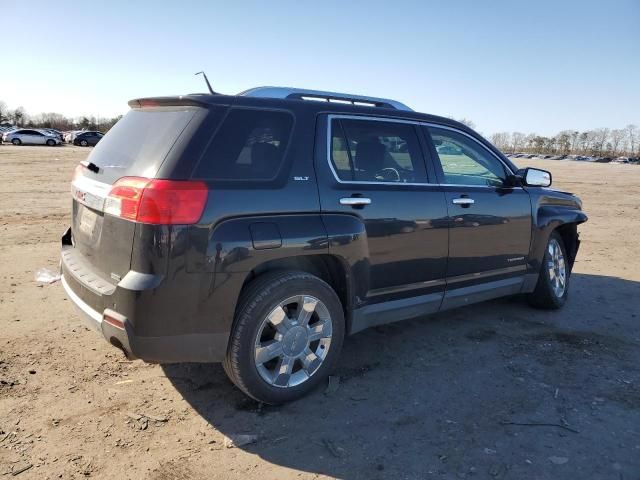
<point x="376" y="151"/>
<point x="250" y="145"/>
<point x="464" y="161"/>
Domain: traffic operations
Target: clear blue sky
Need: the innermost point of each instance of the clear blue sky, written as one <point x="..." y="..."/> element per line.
<point x="538" y="66"/>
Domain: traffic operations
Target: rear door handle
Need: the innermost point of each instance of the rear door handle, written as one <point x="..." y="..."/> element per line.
<point x="465" y="202"/>
<point x="355" y="201"/>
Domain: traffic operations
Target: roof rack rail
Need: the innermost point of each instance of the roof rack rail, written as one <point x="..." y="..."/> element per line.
<point x="317" y="95"/>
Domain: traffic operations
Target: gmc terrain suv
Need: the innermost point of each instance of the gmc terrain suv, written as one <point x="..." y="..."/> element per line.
<point x="259" y="229"/>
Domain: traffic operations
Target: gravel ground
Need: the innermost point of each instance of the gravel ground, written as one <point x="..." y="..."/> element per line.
<point x="496" y="390"/>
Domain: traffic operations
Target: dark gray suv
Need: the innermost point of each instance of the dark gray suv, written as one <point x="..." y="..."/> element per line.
<point x="259" y="229"/>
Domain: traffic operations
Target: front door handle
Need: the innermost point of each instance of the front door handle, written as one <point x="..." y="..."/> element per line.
<point x="355" y="201"/>
<point x="464" y="202"/>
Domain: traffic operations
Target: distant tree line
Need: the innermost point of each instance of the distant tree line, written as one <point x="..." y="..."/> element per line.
<point x="602" y="142"/>
<point x="20" y="118"/>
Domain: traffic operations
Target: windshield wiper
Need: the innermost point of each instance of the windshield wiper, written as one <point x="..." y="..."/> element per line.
<point x="90" y="166"/>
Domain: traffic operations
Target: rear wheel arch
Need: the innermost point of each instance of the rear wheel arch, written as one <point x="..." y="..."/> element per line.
<point x="280" y="382"/>
<point x="332" y="269"/>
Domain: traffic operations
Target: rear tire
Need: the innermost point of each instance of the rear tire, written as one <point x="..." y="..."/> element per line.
<point x="552" y="289"/>
<point x="16" y="141"/>
<point x="286" y="338"/>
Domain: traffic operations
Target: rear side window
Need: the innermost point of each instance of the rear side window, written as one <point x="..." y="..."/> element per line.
<point x="138" y="144"/>
<point x="249" y="145"/>
<point x="376" y="151"/>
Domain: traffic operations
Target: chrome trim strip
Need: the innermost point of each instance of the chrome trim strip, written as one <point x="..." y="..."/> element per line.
<point x="330" y="117"/>
<point x="284" y="92"/>
<point x="90" y="192"/>
<point x="486" y="273"/>
<point x="403" y="288"/>
<point x="89" y="312"/>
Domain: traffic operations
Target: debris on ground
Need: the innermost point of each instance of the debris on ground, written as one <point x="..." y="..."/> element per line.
<point x="558" y="460"/>
<point x="20" y="470"/>
<point x="239" y="440"/>
<point x="142" y="420"/>
<point x="46" y="275"/>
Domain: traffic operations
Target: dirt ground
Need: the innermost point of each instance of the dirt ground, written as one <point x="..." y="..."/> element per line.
<point x="496" y="390"/>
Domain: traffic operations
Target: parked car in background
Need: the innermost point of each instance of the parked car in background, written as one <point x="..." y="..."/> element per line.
<point x="52" y="131"/>
<point x="70" y="136"/>
<point x="25" y="136"/>
<point x="86" y="139"/>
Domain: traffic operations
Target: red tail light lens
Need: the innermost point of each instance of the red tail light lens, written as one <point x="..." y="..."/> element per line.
<point x="159" y="202"/>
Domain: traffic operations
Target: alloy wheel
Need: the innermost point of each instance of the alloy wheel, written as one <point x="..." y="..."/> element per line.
<point x="293" y="341"/>
<point x="557" y="268"/>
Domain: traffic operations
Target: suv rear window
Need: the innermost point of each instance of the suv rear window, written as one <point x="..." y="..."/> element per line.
<point x="138" y="144"/>
<point x="250" y="145"/>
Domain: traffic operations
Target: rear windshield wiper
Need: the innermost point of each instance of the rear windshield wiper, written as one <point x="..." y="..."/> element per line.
<point x="90" y="166"/>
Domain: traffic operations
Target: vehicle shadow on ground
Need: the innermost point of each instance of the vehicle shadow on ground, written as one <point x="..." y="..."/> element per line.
<point x="438" y="395"/>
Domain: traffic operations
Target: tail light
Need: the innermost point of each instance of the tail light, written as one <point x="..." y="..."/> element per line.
<point x="159" y="202"/>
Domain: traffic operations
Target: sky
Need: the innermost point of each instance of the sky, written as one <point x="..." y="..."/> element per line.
<point x="540" y="66"/>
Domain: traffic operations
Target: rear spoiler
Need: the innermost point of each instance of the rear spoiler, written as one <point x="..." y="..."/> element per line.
<point x="195" y="100"/>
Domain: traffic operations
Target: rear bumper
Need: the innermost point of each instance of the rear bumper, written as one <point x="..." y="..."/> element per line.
<point x="135" y="304"/>
<point x="200" y="347"/>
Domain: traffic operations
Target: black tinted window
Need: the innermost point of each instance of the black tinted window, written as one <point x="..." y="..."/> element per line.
<point x="250" y="145"/>
<point x="367" y="150"/>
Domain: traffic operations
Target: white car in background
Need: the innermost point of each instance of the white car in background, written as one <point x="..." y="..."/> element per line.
<point x="25" y="136"/>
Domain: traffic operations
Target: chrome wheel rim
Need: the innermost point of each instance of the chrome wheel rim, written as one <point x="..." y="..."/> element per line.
<point x="293" y="341"/>
<point x="556" y="268"/>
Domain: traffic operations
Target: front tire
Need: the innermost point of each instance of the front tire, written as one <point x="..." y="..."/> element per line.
<point x="51" y="143"/>
<point x="84" y="143"/>
<point x="287" y="336"/>
<point x="16" y="141"/>
<point x="552" y="289"/>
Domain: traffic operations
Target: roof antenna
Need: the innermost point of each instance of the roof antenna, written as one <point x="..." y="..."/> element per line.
<point x="207" y="80"/>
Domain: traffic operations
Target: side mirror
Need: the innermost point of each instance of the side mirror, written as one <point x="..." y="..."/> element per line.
<point x="534" y="177"/>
